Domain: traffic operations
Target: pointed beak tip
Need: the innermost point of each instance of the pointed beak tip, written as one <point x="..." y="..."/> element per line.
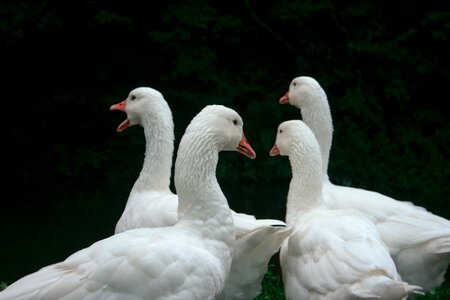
<point x="284" y="99"/>
<point x="274" y="151"/>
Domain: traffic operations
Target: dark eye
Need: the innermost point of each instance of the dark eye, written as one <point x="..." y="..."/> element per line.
<point x="281" y="130"/>
<point x="294" y="83"/>
<point x="235" y="122"/>
<point x="133" y="97"/>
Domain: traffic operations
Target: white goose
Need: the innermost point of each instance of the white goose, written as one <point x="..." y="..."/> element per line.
<point x="151" y="203"/>
<point x="332" y="254"/>
<point x="418" y="240"/>
<point x="190" y="260"/>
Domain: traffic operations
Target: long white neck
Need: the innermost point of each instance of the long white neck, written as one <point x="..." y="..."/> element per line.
<point x="305" y="188"/>
<point x="202" y="205"/>
<point x="159" y="145"/>
<point x="317" y="115"/>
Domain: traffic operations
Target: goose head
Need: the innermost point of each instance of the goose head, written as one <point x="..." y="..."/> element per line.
<point x="295" y="140"/>
<point x="141" y="102"/>
<point x="285" y="139"/>
<point x="303" y="90"/>
<point x="295" y="137"/>
<point x="225" y="125"/>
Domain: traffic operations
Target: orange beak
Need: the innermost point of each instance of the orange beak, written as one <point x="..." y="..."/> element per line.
<point x="245" y="148"/>
<point x="284" y="99"/>
<point x="274" y="151"/>
<point x="121" y="106"/>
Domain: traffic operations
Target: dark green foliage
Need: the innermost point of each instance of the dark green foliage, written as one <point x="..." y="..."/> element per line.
<point x="384" y="66"/>
<point x="272" y="287"/>
<point x="442" y="293"/>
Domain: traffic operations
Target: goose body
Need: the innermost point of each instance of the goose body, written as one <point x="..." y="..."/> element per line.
<point x="189" y="260"/>
<point x="332" y="253"/>
<point x="418" y="240"/>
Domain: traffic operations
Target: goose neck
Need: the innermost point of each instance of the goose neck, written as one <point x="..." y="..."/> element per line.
<point x="202" y="204"/>
<point x="305" y="188"/>
<point x="159" y="145"/>
<point x="317" y="115"/>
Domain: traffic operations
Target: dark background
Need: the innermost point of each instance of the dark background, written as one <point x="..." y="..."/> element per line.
<point x="66" y="172"/>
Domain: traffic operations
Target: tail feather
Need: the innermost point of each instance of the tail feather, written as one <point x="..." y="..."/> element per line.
<point x="251" y="257"/>
<point x="245" y="223"/>
<point x="380" y="286"/>
<point x="414" y="290"/>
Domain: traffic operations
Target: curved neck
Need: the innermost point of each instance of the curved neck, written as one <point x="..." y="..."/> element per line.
<point x="202" y="205"/>
<point x="159" y="145"/>
<point x="317" y="115"/>
<point x="305" y="188"/>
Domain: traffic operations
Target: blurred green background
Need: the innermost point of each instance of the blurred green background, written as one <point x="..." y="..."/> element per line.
<point x="66" y="172"/>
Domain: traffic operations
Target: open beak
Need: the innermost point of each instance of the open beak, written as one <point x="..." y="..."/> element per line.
<point x="121" y="106"/>
<point x="284" y="99"/>
<point x="245" y="148"/>
<point x="274" y="151"/>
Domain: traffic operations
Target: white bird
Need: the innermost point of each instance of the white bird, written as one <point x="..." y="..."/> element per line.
<point x="151" y="203"/>
<point x="332" y="254"/>
<point x="418" y="240"/>
<point x="190" y="260"/>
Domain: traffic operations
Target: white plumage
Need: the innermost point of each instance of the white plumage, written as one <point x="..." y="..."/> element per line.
<point x="332" y="254"/>
<point x="418" y="240"/>
<point x="251" y="256"/>
<point x="152" y="204"/>
<point x="190" y="260"/>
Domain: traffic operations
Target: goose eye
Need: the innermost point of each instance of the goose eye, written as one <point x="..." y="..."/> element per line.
<point x="235" y="122"/>
<point x="133" y="97"/>
<point x="294" y="83"/>
<point x="281" y="130"/>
